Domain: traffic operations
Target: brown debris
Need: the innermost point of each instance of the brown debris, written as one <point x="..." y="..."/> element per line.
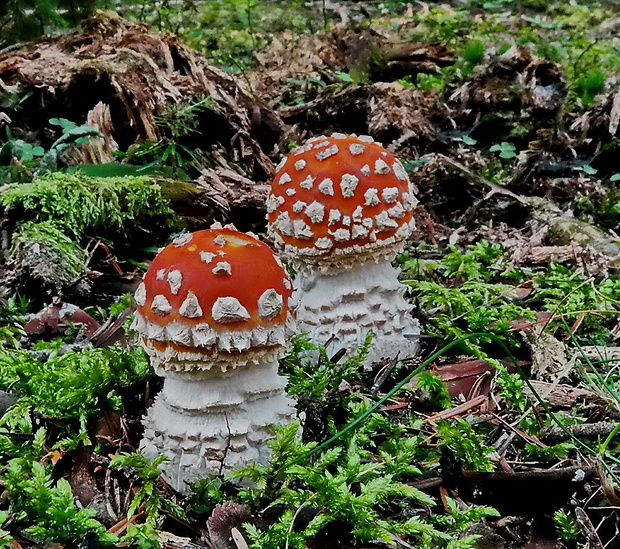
<point x="58" y="317"/>
<point x="549" y="355"/>
<point x="515" y="81"/>
<point x="467" y="377"/>
<point x="225" y="518"/>
<point x="120" y="77"/>
<point x="558" y="395"/>
<point x="554" y="434"/>
<point x="402" y="118"/>
<point x="363" y="52"/>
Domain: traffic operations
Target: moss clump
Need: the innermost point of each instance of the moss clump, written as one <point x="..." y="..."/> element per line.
<point x="101" y="207"/>
<point x="47" y="256"/>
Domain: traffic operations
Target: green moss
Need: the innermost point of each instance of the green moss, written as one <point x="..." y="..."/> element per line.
<point x="103" y="207"/>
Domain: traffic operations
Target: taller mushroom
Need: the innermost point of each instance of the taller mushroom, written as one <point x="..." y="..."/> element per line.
<point x="339" y="210"/>
<point x="212" y="314"/>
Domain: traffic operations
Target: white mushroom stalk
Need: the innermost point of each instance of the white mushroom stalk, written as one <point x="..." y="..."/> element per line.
<point x="213" y="314"/>
<point x="340" y="209"/>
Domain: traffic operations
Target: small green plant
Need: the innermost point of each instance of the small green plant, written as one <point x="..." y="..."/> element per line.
<point x="149" y="498"/>
<point x="506" y="150"/>
<point x="205" y="494"/>
<point x="311" y="373"/>
<point x="473" y="54"/>
<point x="466" y="443"/>
<point x="355" y="482"/>
<point x="20" y="160"/>
<point x="178" y="121"/>
<point x="45" y="507"/>
<point x="435" y="388"/>
<point x="566" y="526"/>
<point x="467" y="293"/>
<point x="5" y="537"/>
<point x="463" y="515"/>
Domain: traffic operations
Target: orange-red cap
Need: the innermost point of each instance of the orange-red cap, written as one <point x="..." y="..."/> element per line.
<point x="214" y="289"/>
<point x="337" y="196"/>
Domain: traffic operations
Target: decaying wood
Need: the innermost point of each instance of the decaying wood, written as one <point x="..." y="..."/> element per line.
<point x="593" y="541"/>
<point x="558" y="395"/>
<point x="549" y="355"/>
<point x="361" y="51"/>
<point x="458" y="410"/>
<point x="120" y="77"/>
<point x="554" y="434"/>
<point x="171" y="541"/>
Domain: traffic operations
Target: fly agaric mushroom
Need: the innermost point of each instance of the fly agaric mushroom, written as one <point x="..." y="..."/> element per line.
<point x="339" y="210"/>
<point x="213" y="312"/>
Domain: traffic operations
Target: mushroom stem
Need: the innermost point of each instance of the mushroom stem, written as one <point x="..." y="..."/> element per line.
<point x="211" y="422"/>
<point x="342" y="306"/>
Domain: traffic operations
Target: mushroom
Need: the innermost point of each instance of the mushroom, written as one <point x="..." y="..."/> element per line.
<point x="339" y="210"/>
<point x="213" y="315"/>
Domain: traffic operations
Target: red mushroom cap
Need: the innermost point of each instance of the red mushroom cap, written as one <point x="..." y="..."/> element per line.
<point x="212" y="292"/>
<point x="338" y="196"/>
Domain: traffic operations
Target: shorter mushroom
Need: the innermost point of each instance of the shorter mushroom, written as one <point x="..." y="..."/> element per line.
<point x="340" y="209"/>
<point x="213" y="314"/>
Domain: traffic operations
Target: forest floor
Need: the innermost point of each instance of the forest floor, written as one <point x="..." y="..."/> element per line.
<point x="118" y="136"/>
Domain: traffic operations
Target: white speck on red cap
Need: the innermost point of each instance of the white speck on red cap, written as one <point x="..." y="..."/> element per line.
<point x="323" y="243"/>
<point x="316" y="212"/>
<point x="326" y="153"/>
<point x="183" y="239"/>
<point x="140" y="295"/>
<point x="160" y="305"/>
<point x="359" y="231"/>
<point x="283" y="224"/>
<point x="348" y="184"/>
<point x="300" y="165"/>
<point x="397" y="211"/>
<point x="272" y="203"/>
<point x="399" y="171"/>
<point x="222" y="267"/>
<point x="365" y="169"/>
<point x="327" y="187"/>
<point x="381" y="166"/>
<point x="281" y="164"/>
<point x="190" y="307"/>
<point x="334" y="217"/>
<point x="371" y="197"/>
<point x="270" y="304"/>
<point x="302" y="230"/>
<point x="228" y="309"/>
<point x="175" y="279"/>
<point x="356" y="148"/>
<point x="284" y="178"/>
<point x="299" y="206"/>
<point x="342" y="235"/>
<point x="384" y="222"/>
<point x="307" y="182"/>
<point x="390" y="194"/>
